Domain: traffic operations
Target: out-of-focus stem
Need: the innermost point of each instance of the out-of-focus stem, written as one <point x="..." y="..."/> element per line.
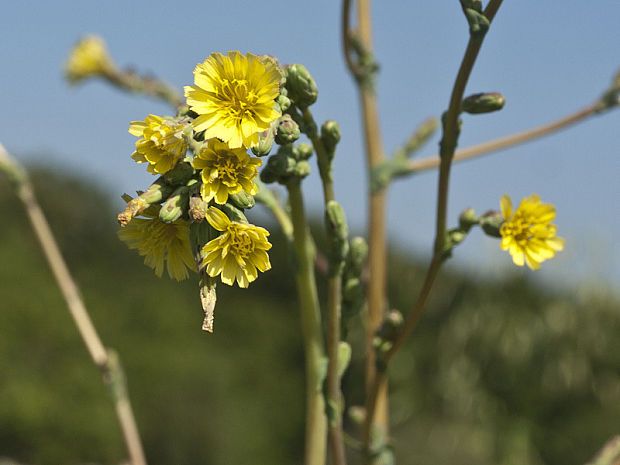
<point x="494" y="145"/>
<point x="130" y="81"/>
<point x="316" y="420"/>
<point x="376" y="216"/>
<point x="447" y="148"/>
<point x="109" y="365"/>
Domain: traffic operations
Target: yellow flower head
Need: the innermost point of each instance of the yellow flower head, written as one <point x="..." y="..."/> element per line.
<point x="527" y="232"/>
<point x="89" y="57"/>
<point x="160" y="242"/>
<point x="237" y="254"/>
<point x="225" y="171"/>
<point x="234" y="97"/>
<point x="162" y="144"/>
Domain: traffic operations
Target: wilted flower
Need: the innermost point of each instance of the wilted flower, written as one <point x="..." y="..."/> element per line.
<point x="160" y="242"/>
<point x="234" y="97"/>
<point x="238" y="253"/>
<point x="527" y="232"/>
<point x="225" y="171"/>
<point x="89" y="57"/>
<point x="162" y="144"/>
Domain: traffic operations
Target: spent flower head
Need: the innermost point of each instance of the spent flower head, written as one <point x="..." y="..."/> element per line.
<point x="89" y="57"/>
<point x="527" y="232"/>
<point x="225" y="171"/>
<point x="234" y="96"/>
<point x="238" y="253"/>
<point x="160" y="243"/>
<point x="162" y="144"/>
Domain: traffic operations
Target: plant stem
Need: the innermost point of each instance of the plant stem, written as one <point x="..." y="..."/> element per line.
<point x="130" y="81"/>
<point x="316" y="421"/>
<point x="376" y="219"/>
<point x="107" y="363"/>
<point x="334" y="311"/>
<point x="494" y="145"/>
<point x="447" y="149"/>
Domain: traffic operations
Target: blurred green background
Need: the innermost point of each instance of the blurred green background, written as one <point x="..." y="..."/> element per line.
<point x="498" y="372"/>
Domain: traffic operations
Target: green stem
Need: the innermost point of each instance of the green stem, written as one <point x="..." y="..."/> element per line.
<point x="334" y="309"/>
<point x="447" y="149"/>
<point x="316" y="421"/>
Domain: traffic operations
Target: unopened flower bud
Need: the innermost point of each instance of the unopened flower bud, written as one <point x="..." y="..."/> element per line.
<point x="173" y="208"/>
<point x="180" y="174"/>
<point x="233" y="213"/>
<point x="338" y="233"/>
<point x="483" y="103"/>
<point x="357" y="414"/>
<point x="357" y="255"/>
<point x="302" y="151"/>
<point x="284" y="102"/>
<point x="302" y="169"/>
<point x="265" y="143"/>
<point x="467" y="219"/>
<point x="330" y="135"/>
<point x="344" y="357"/>
<point x="241" y="200"/>
<point x="491" y="222"/>
<point x="287" y="130"/>
<point x="301" y="86"/>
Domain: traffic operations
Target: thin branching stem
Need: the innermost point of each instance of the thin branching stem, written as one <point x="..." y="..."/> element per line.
<point x="448" y="146"/>
<point x="424" y="164"/>
<point x="105" y="360"/>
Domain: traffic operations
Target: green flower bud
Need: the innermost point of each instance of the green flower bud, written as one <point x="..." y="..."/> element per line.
<point x="175" y="206"/>
<point x="180" y="174"/>
<point x="302" y="151"/>
<point x="483" y="103"/>
<point x="344" y="357"/>
<point x="265" y="143"/>
<point x="338" y="233"/>
<point x="357" y="255"/>
<point x="301" y="86"/>
<point x="241" y="200"/>
<point x="234" y="213"/>
<point x="284" y="102"/>
<point x="467" y="219"/>
<point x="491" y="222"/>
<point x="287" y="130"/>
<point x="302" y="169"/>
<point x="330" y="136"/>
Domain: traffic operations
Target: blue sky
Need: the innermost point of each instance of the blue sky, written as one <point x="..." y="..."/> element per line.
<point x="547" y="58"/>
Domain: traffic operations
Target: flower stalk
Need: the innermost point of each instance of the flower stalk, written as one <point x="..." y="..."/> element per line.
<point x="316" y="420"/>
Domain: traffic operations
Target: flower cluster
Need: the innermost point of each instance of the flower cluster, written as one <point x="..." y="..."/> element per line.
<point x="527" y="232"/>
<point x="88" y="58"/>
<point x="202" y="157"/>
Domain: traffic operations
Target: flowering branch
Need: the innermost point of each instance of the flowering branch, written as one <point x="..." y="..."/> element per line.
<point x="447" y="149"/>
<point x="105" y="359"/>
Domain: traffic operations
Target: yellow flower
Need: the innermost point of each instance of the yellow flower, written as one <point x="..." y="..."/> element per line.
<point x="234" y="97"/>
<point x="88" y="57"/>
<point x="162" y="144"/>
<point x="225" y="171"/>
<point x="160" y="242"/>
<point x="237" y="254"/>
<point x="527" y="232"/>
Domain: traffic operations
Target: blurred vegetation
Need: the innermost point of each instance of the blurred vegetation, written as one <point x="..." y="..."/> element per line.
<point x="498" y="372"/>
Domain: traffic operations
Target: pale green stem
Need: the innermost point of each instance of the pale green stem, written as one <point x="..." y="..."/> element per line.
<point x="316" y="420"/>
